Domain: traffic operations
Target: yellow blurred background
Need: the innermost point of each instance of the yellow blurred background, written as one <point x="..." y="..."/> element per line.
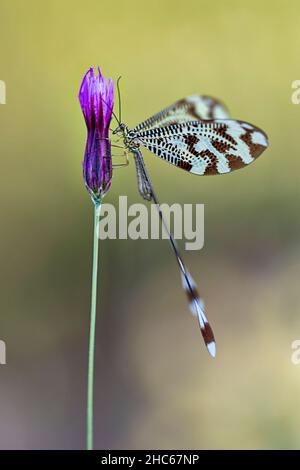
<point x="156" y="386"/>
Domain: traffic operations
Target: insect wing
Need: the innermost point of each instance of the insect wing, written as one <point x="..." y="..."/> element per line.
<point x="206" y="148"/>
<point x="191" y="108"/>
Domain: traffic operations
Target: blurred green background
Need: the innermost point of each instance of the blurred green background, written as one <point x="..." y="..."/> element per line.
<point x="156" y="386"/>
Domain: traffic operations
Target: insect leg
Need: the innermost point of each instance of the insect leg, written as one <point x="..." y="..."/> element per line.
<point x="120" y="165"/>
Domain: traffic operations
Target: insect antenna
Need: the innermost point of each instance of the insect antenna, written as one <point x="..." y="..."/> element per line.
<point x="119" y="98"/>
<point x="111" y="108"/>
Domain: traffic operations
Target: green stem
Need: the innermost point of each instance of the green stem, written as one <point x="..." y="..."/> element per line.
<point x="90" y="386"/>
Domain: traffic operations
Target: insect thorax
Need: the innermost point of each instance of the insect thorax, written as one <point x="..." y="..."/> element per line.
<point x="130" y="138"/>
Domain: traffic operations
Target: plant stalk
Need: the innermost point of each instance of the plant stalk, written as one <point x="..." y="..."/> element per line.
<point x="90" y="384"/>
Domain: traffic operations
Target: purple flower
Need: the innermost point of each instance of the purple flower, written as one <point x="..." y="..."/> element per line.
<point x="96" y="97"/>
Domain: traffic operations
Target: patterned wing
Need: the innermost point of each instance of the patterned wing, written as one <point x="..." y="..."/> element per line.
<point x="206" y="148"/>
<point x="191" y="108"/>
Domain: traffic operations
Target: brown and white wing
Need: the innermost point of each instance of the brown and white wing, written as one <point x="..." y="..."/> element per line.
<point x="206" y="148"/>
<point x="191" y="108"/>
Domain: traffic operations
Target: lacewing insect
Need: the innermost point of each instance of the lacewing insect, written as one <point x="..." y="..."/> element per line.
<point x="195" y="134"/>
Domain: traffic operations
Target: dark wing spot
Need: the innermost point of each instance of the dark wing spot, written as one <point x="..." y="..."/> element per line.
<point x="220" y="146"/>
<point x="184" y="165"/>
<point x="255" y="149"/>
<point x="235" y="163"/>
<point x="222" y="131"/>
<point x="192" y="294"/>
<point x="191" y="140"/>
<point x="211" y="168"/>
<point x="207" y="334"/>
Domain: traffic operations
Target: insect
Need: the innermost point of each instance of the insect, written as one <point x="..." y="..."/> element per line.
<point x="195" y="134"/>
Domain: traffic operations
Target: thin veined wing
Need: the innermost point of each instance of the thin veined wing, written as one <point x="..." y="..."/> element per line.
<point x="195" y="301"/>
<point x="144" y="186"/>
<point x="194" y="107"/>
<point x="206" y="148"/>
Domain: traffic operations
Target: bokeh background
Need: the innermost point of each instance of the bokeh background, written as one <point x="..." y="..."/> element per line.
<point x="156" y="386"/>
